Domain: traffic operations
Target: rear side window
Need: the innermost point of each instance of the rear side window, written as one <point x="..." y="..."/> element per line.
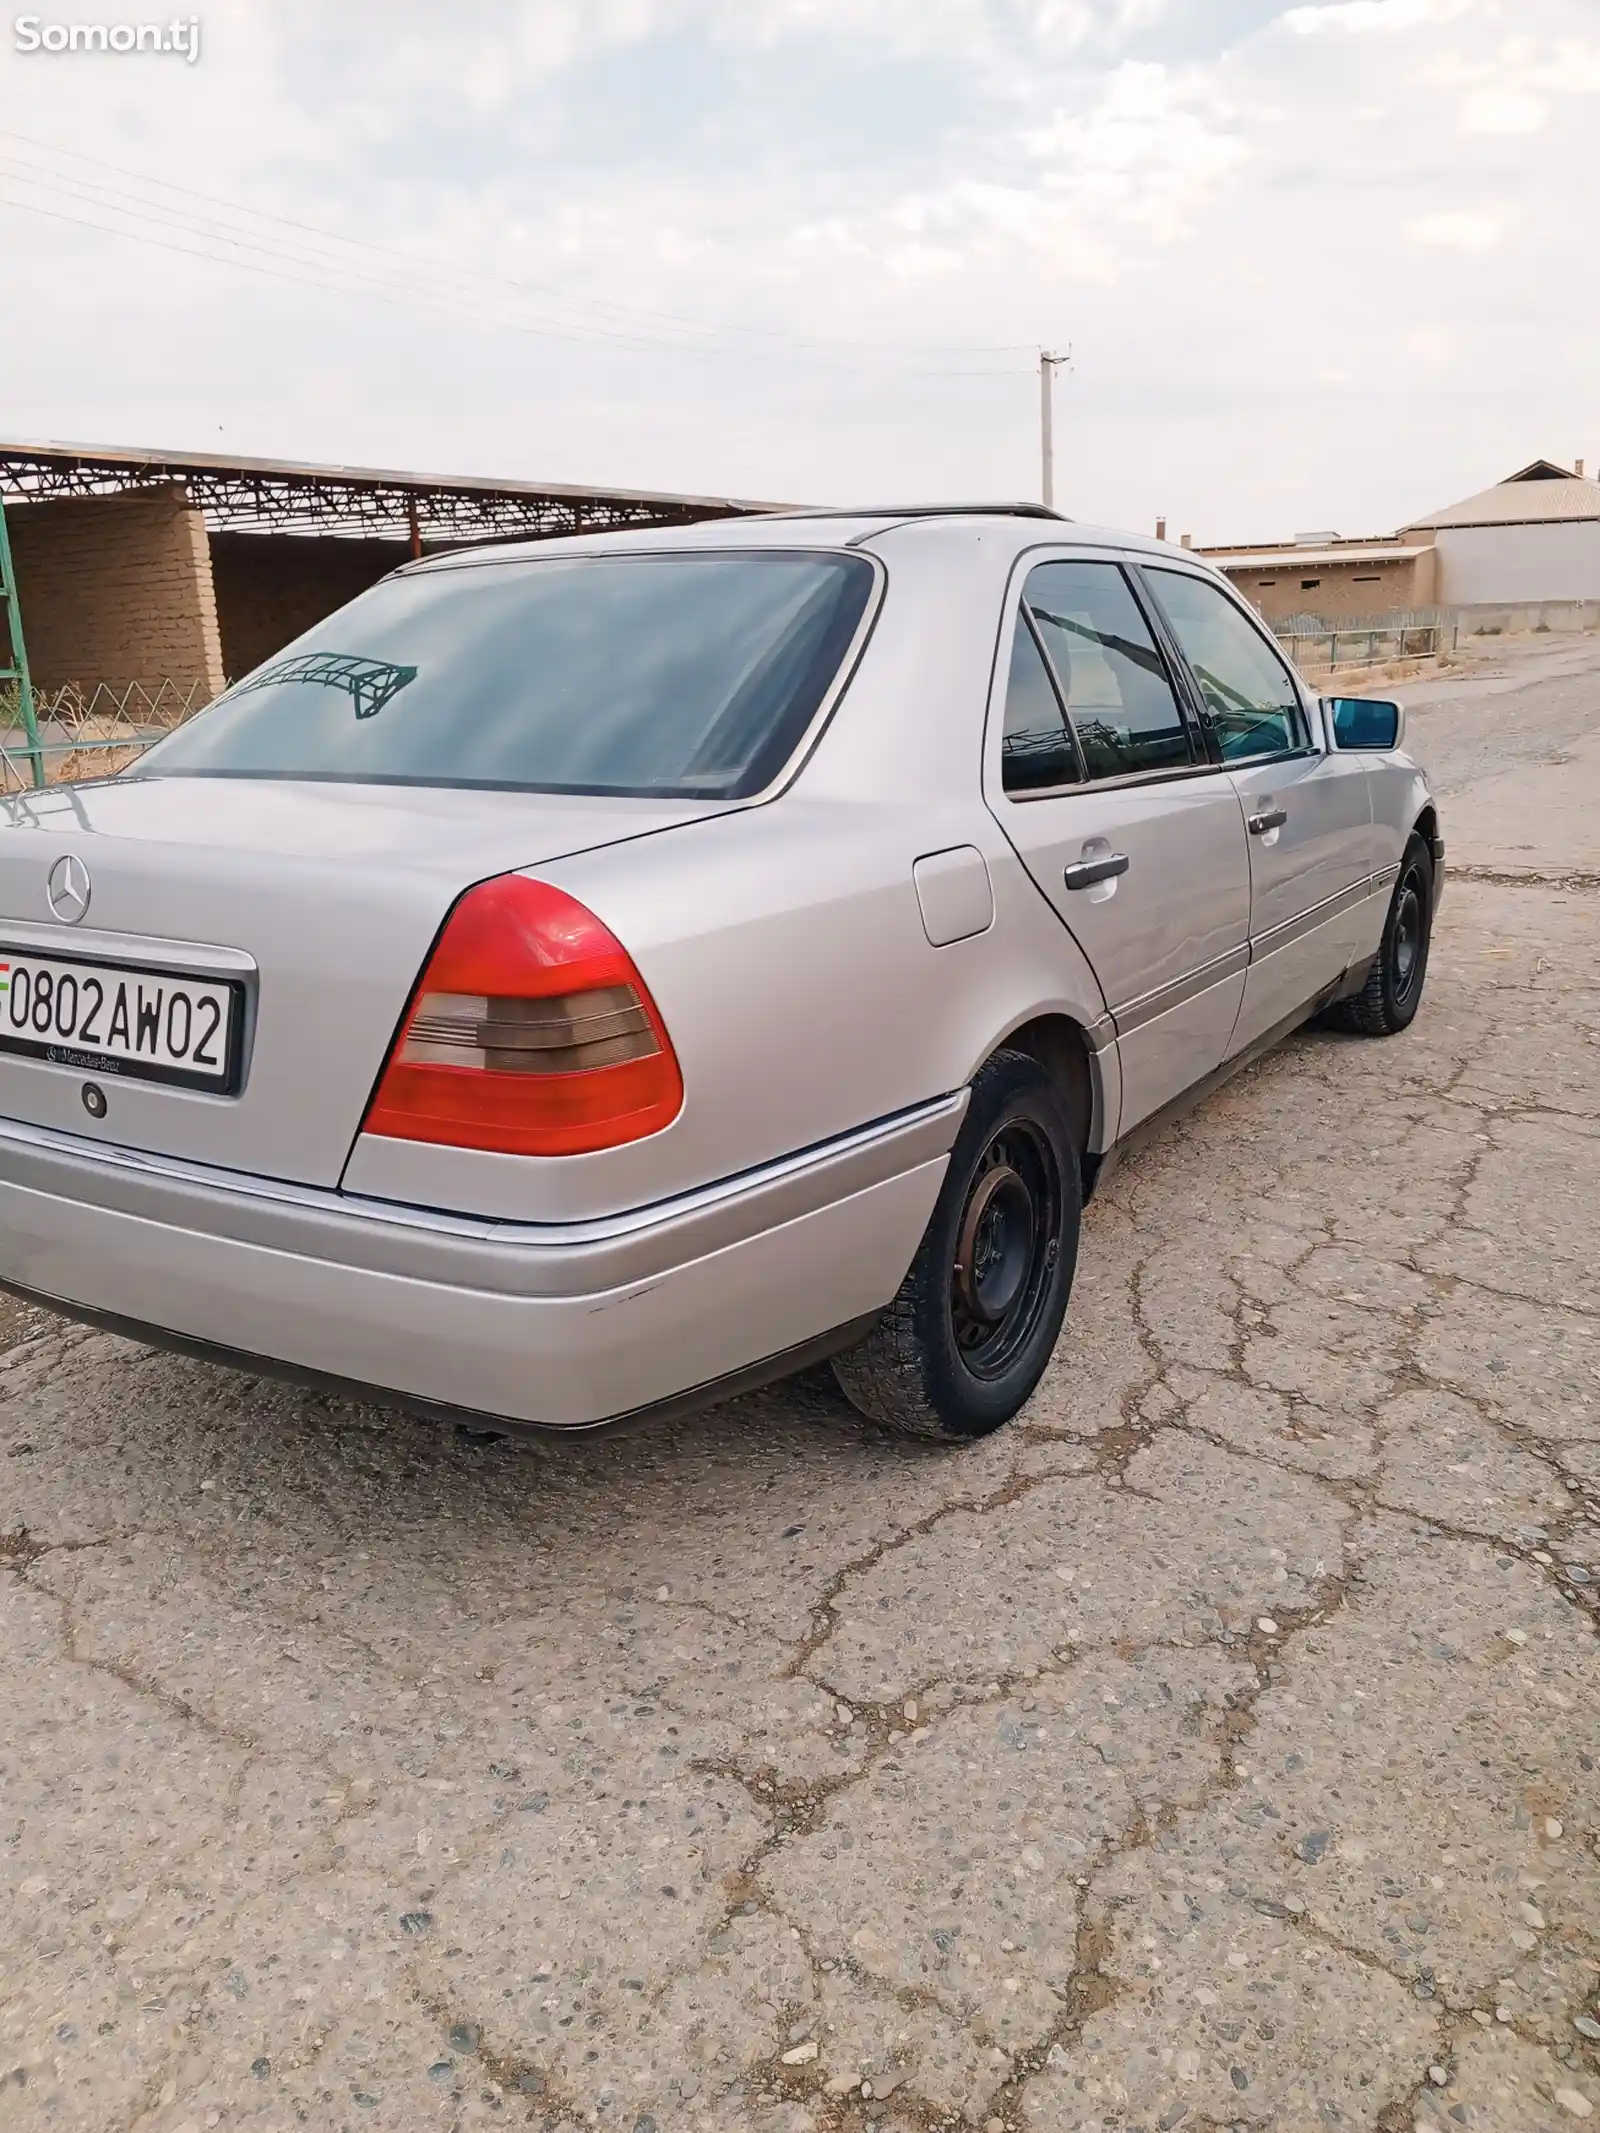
<point x="665" y="675"/>
<point x="1107" y="668"/>
<point x="1036" y="750"/>
<point x="1254" y="707"/>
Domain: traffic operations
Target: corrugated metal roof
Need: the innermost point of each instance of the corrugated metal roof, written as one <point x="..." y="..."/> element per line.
<point x="140" y="462"/>
<point x="1541" y="501"/>
<point x="1291" y="558"/>
<point x="263" y="495"/>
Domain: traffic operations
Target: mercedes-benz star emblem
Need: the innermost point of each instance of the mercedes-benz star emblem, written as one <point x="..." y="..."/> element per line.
<point x="68" y="888"/>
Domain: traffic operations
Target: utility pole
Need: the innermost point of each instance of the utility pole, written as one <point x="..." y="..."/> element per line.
<point x="1048" y="366"/>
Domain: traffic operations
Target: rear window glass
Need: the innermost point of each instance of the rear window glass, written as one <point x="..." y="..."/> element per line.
<point x="640" y="675"/>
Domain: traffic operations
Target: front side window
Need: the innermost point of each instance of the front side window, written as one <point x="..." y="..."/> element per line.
<point x="1110" y="673"/>
<point x="670" y="675"/>
<point x="1254" y="707"/>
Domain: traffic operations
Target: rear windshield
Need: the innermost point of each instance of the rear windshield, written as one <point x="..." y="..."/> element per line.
<point x="641" y="675"/>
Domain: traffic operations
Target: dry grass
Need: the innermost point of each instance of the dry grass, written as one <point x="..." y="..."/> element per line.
<point x="70" y="767"/>
<point x="1334" y="681"/>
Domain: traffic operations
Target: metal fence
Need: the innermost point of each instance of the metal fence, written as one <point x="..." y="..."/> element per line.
<point x="88" y="729"/>
<point x="1315" y="644"/>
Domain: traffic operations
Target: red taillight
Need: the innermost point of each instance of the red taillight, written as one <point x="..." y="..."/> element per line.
<point x="531" y="1033"/>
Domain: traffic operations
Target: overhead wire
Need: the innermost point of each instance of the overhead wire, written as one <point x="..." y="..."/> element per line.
<point x="306" y="253"/>
<point x="411" y="297"/>
<point x="214" y="202"/>
<point x="255" y="256"/>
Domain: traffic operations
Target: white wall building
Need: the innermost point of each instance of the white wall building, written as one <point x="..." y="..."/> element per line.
<point x="1532" y="538"/>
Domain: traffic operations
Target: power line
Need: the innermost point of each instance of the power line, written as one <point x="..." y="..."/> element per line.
<point x="210" y="227"/>
<point x="209" y="230"/>
<point x="237" y="250"/>
<point x="403" y="296"/>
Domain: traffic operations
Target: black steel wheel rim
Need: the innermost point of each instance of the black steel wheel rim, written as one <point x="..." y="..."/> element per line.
<point x="1008" y="1240"/>
<point x="1409" y="937"/>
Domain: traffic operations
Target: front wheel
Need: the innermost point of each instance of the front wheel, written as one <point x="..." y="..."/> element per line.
<point x="1389" y="1000"/>
<point x="967" y="1338"/>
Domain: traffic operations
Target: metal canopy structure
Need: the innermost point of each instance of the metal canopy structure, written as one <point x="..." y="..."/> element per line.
<point x="281" y="496"/>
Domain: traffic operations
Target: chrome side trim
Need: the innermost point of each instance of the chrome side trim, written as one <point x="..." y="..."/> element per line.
<point x="1134" y="1014"/>
<point x="1307" y="921"/>
<point x="509" y="1258"/>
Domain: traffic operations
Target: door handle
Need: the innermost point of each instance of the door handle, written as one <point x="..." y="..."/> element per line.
<point x="1270" y="818"/>
<point x="1084" y="873"/>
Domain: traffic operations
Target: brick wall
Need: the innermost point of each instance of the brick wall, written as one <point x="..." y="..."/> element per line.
<point x="273" y="586"/>
<point x="116" y="589"/>
<point x="1337" y="592"/>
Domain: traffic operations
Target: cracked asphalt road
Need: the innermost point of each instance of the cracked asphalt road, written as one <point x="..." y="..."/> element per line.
<point x="1215" y="1748"/>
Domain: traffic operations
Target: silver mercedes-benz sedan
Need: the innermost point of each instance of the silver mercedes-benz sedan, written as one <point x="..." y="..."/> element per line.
<point x="580" y="980"/>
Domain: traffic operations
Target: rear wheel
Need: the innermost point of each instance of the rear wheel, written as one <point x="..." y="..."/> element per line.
<point x="967" y="1338"/>
<point x="1389" y="1000"/>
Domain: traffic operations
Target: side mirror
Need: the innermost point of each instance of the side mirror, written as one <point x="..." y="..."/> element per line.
<point x="1366" y="722"/>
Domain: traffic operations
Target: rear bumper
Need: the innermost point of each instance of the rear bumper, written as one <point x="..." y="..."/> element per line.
<point x="559" y="1326"/>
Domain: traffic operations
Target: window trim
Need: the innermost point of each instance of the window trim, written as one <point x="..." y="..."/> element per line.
<point x="1127" y="779"/>
<point x="1202" y="737"/>
<point x="1194" y="733"/>
<point x="1309" y="746"/>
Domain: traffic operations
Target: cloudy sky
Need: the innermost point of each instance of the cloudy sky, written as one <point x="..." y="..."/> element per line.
<point x="1319" y="265"/>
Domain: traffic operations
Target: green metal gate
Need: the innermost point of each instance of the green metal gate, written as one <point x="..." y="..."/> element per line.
<point x="16" y="676"/>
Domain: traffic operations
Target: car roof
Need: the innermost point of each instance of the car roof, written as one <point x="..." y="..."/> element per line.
<point x="1019" y="525"/>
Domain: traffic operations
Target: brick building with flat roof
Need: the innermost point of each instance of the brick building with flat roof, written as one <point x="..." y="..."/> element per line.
<point x="1336" y="579"/>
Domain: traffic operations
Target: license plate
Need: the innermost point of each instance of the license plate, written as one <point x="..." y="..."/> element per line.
<point x="110" y="1018"/>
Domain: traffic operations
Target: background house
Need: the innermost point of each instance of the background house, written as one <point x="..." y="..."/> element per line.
<point x="1340" y="580"/>
<point x="1533" y="537"/>
<point x="1528" y="546"/>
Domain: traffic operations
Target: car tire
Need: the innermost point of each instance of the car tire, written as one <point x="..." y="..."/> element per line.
<point x="1387" y="1003"/>
<point x="967" y="1337"/>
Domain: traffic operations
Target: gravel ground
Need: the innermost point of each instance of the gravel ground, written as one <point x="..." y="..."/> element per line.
<point x="1214" y="1749"/>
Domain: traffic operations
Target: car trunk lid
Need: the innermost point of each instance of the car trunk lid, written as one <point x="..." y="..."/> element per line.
<point x="322" y="900"/>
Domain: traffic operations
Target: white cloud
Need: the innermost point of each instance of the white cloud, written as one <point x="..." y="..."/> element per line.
<point x="1358" y="17"/>
<point x="1463" y="229"/>
<point x="1044" y="26"/>
<point x="1108" y="187"/>
<point x="1154" y="148"/>
<point x="969" y="30"/>
<point x="1503" y="111"/>
<point x="485" y="62"/>
<point x="1512" y="89"/>
<point x="1431" y="345"/>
